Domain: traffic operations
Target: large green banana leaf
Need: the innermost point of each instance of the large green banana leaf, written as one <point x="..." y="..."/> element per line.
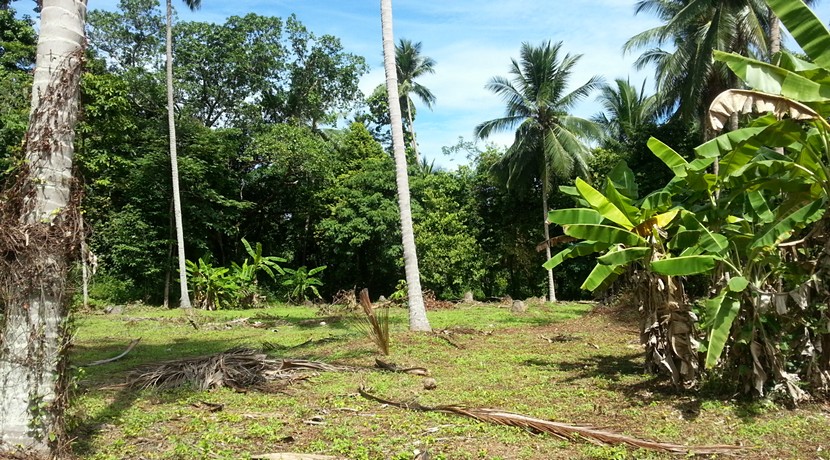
<point x="783" y="227"/>
<point x="771" y="79"/>
<point x="671" y="158"/>
<point x="580" y="249"/>
<point x="722" y="310"/>
<point x="599" y="202"/>
<point x="624" y="256"/>
<point x="604" y="234"/>
<point x="574" y="216"/>
<point x="685" y="265"/>
<point x="806" y="28"/>
<point x="600" y="276"/>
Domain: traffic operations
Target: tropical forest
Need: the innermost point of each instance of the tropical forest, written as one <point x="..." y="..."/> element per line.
<point x="218" y="244"/>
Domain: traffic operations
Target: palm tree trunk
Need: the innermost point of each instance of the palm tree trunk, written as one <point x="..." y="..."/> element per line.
<point x="412" y="131"/>
<point x="551" y="287"/>
<point x="33" y="353"/>
<point x="774" y="34"/>
<point x="84" y="265"/>
<point x="174" y="163"/>
<point x="417" y="313"/>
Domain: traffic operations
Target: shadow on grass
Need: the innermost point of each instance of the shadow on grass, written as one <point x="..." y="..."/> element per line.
<point x="607" y="367"/>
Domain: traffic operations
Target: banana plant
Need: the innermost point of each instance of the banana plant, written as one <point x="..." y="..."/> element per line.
<point x="780" y="171"/>
<point x="300" y="281"/>
<point x="632" y="236"/>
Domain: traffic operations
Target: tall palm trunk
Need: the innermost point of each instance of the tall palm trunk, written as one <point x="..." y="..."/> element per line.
<point x="412" y="131"/>
<point x="551" y="287"/>
<point x="417" y="313"/>
<point x="38" y="235"/>
<point x="174" y="162"/>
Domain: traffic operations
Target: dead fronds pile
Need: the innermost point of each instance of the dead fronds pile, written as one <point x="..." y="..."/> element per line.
<point x="431" y="303"/>
<point x="375" y="327"/>
<point x="238" y="368"/>
<point x="560" y="430"/>
<point x="344" y="301"/>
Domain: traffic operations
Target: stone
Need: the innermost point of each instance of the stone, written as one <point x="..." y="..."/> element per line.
<point x="518" y="307"/>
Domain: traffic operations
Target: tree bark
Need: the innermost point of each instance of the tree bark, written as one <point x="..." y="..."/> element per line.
<point x="39" y="236"/>
<point x="774" y="34"/>
<point x="551" y="287"/>
<point x="174" y="162"/>
<point x="417" y="313"/>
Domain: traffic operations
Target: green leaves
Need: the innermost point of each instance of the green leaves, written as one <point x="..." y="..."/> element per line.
<point x="684" y="265"/>
<point x="602" y="205"/>
<point x="671" y="158"/>
<point x="604" y="234"/>
<point x="723" y="310"/>
<point x="806" y="28"/>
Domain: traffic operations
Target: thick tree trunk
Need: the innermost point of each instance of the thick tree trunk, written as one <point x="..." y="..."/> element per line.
<point x="38" y="235"/>
<point x="417" y="313"/>
<point x="174" y="162"/>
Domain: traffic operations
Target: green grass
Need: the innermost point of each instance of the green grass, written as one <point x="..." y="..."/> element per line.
<point x="591" y="375"/>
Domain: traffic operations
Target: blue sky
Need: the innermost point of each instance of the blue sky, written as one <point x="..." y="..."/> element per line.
<point x="470" y="40"/>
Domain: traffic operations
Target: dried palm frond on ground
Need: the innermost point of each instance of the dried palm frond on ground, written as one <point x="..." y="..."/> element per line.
<point x="237" y="368"/>
<point x="375" y="327"/>
<point x="561" y="430"/>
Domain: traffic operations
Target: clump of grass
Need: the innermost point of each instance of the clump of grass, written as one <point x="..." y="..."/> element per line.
<point x="375" y="327"/>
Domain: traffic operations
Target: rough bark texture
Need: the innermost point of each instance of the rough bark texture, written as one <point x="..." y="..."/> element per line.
<point x="417" y="313"/>
<point x="38" y="235"/>
<point x="174" y="162"/>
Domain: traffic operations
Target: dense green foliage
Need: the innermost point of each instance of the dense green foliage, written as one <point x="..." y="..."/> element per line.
<point x="278" y="146"/>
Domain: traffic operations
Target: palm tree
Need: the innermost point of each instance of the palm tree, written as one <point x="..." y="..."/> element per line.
<point x="411" y="64"/>
<point x="33" y="275"/>
<point x="549" y="141"/>
<point x="688" y="78"/>
<point x="625" y="110"/>
<point x="417" y="313"/>
<point x="174" y="163"/>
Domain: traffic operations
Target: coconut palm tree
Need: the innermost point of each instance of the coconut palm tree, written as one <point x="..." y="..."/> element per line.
<point x="40" y="207"/>
<point x="174" y="163"/>
<point x="625" y="109"/>
<point x="417" y="313"/>
<point x="411" y="64"/>
<point x="549" y="141"/>
<point x="688" y="78"/>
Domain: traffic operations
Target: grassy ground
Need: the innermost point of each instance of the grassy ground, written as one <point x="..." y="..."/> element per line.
<point x="589" y="373"/>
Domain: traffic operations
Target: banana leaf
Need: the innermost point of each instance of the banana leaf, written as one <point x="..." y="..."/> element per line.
<point x="806" y="28"/>
<point x="600" y="276"/>
<point x="782" y="228"/>
<point x="583" y="248"/>
<point x="671" y="158"/>
<point x="722" y="310"/>
<point x="604" y="234"/>
<point x="684" y="266"/>
<point x="624" y="256"/>
<point x="771" y="79"/>
<point x="599" y="202"/>
<point x="574" y="216"/>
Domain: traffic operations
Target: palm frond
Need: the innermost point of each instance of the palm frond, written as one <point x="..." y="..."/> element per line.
<point x="561" y="430"/>
<point x="375" y="327"/>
